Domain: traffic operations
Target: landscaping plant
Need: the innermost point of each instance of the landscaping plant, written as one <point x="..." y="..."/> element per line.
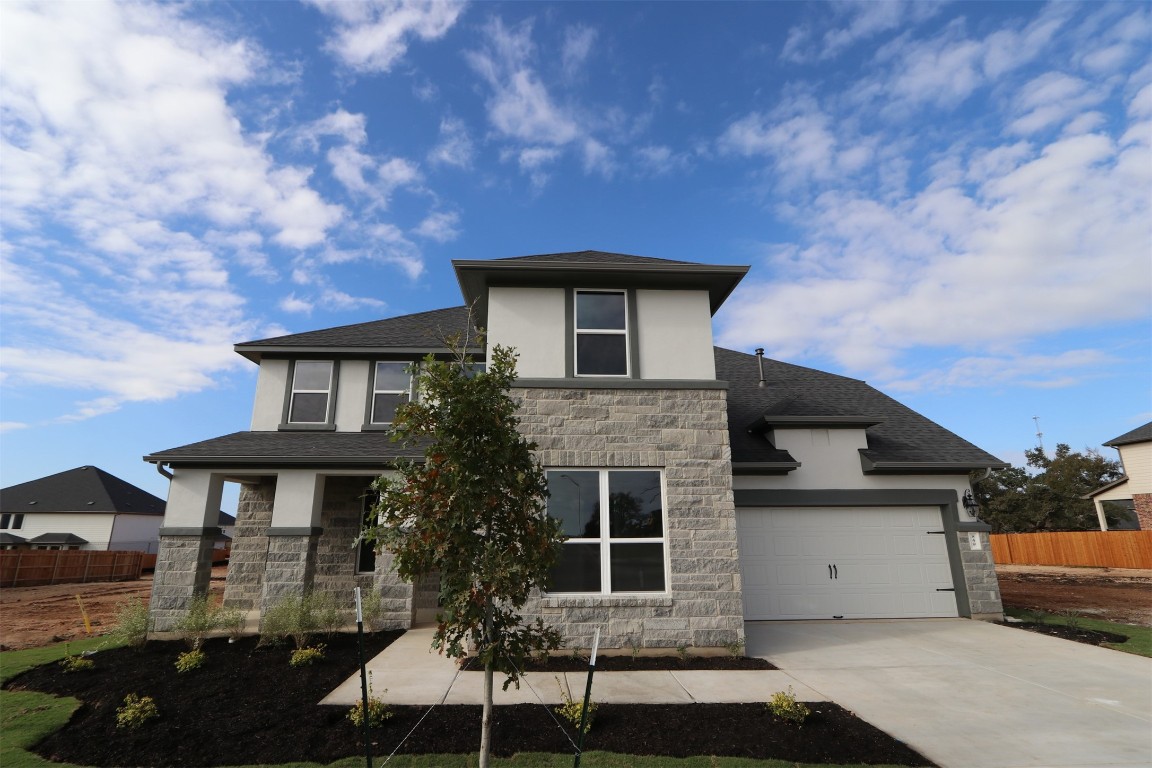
<point x="378" y="711"/>
<point x="204" y="617"/>
<point x="77" y="663"/>
<point x="783" y="705"/>
<point x="300" y="617"/>
<point x="473" y="510"/>
<point x="190" y="660"/>
<point x="132" y="623"/>
<point x="136" y="711"/>
<point x="572" y="710"/>
<point x="306" y="657"/>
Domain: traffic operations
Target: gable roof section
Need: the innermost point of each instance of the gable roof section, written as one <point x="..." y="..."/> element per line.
<point x="593" y="269"/>
<point x="418" y="333"/>
<point x="899" y="439"/>
<point x="1139" y="435"/>
<point x="84" y="489"/>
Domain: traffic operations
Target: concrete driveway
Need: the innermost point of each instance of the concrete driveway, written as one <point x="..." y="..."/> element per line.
<point x="967" y="694"/>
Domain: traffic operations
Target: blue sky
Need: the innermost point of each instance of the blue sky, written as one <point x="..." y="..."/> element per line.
<point x="951" y="201"/>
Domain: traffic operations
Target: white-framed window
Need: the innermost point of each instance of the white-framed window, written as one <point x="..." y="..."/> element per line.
<point x="617" y="534"/>
<point x="391" y="388"/>
<point x="601" y="329"/>
<point x="311" y="392"/>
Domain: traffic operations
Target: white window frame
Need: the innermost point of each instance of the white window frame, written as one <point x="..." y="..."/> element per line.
<point x="577" y="332"/>
<point x="330" y="406"/>
<point x="411" y="391"/>
<point x="606" y="540"/>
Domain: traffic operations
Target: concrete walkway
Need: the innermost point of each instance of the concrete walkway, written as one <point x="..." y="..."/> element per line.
<point x="408" y="672"/>
<point x="967" y="694"/>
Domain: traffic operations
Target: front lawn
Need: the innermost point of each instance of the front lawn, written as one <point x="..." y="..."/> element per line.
<point x="244" y="695"/>
<point x="1139" y="639"/>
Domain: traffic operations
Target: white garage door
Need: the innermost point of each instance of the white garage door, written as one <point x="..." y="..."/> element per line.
<point x="851" y="563"/>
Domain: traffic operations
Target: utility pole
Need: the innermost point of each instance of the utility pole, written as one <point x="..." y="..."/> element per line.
<point x="1039" y="434"/>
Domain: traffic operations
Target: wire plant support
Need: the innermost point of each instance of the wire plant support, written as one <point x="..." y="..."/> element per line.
<point x="587" y="698"/>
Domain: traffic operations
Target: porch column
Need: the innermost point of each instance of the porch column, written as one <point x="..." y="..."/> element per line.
<point x="293" y="535"/>
<point x="184" y="559"/>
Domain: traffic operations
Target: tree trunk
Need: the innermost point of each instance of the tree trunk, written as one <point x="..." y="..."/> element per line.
<point x="486" y="719"/>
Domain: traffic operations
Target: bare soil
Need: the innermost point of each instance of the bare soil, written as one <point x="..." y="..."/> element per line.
<point x="1122" y="595"/>
<point x="259" y="710"/>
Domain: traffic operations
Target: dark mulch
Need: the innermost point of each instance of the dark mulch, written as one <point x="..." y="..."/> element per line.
<point x="248" y="706"/>
<point x="1076" y="634"/>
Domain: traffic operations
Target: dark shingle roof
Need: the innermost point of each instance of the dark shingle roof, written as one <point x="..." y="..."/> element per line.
<point x="58" y="538"/>
<point x="900" y="439"/>
<point x="591" y="257"/>
<point x="1139" y="435"/>
<point x="421" y="332"/>
<point x="367" y="449"/>
<point x="84" y="489"/>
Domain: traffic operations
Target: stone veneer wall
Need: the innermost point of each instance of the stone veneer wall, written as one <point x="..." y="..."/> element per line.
<point x="684" y="432"/>
<point x="980" y="578"/>
<point x="183" y="572"/>
<point x="1143" y="504"/>
<point x="249" y="558"/>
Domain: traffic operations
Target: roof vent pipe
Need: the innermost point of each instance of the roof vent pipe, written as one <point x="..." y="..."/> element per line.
<point x="760" y="364"/>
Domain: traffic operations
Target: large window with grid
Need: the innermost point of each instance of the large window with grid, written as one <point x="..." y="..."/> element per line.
<point x="311" y="392"/>
<point x="614" y="520"/>
<point x="601" y="333"/>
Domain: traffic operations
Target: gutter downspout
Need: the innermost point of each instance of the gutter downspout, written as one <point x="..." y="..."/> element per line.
<point x="169" y="475"/>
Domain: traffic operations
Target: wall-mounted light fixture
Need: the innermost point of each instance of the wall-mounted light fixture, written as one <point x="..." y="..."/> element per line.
<point x="970" y="504"/>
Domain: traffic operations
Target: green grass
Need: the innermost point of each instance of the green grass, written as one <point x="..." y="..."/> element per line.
<point x="1139" y="638"/>
<point x="27" y="717"/>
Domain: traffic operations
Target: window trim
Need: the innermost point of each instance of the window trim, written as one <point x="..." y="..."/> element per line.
<point x="626" y="332"/>
<point x="329" y="422"/>
<point x="606" y="540"/>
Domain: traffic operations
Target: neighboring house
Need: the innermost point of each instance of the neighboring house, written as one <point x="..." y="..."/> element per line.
<point x="699" y="487"/>
<point x="1135" y="485"/>
<point x="83" y="508"/>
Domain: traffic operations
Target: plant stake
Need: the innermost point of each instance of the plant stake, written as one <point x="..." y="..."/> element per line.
<point x="587" y="698"/>
<point x="364" y="680"/>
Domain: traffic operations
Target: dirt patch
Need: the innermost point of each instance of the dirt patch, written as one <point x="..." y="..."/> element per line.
<point x="259" y="710"/>
<point x="1114" y="594"/>
<point x="34" y="616"/>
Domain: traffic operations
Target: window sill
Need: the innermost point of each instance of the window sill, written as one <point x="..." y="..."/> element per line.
<point x="306" y="428"/>
<point x="376" y="428"/>
<point x="599" y="601"/>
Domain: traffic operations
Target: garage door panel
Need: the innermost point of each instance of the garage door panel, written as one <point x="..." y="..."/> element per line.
<point x="889" y="563"/>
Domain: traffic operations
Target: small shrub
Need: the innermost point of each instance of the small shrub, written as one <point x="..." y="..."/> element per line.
<point x="682" y="652"/>
<point x="306" y="657"/>
<point x="1071" y="618"/>
<point x="203" y="618"/>
<point x="735" y="649"/>
<point x="571" y="710"/>
<point x="132" y="623"/>
<point x="784" y="706"/>
<point x="372" y="608"/>
<point x="186" y="662"/>
<point x="300" y="617"/>
<point x="634" y="644"/>
<point x="231" y="620"/>
<point x="77" y="663"/>
<point x="136" y="711"/>
<point x="378" y="711"/>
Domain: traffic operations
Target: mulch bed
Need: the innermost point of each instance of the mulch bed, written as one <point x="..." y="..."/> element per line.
<point x="1076" y="634"/>
<point x="247" y="705"/>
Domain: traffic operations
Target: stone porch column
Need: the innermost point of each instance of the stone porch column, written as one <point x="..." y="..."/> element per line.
<point x="293" y="536"/>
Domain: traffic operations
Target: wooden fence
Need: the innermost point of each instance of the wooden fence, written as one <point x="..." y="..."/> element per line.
<point x="1104" y="549"/>
<point x="31" y="567"/>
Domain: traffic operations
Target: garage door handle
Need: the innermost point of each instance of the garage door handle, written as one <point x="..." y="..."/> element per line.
<point x="829" y="571"/>
<point x="946" y="589"/>
<point x="835" y="571"/>
<point x="938" y="532"/>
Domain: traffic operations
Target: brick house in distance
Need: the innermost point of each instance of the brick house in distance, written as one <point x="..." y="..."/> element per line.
<point x="699" y="487"/>
<point x="1135" y="449"/>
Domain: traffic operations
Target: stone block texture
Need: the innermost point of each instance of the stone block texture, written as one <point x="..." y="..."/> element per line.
<point x="980" y="578"/>
<point x="1143" y="504"/>
<point x="183" y="572"/>
<point x="684" y="433"/>
<point x="249" y="558"/>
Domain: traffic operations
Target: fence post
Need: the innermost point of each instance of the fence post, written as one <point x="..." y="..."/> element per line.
<point x="16" y="574"/>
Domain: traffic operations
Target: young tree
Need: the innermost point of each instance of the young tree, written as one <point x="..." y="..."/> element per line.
<point x="473" y="510"/>
<point x="1014" y="501"/>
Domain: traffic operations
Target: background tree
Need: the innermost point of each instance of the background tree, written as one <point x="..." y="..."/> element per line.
<point x="474" y="511"/>
<point x="1015" y="501"/>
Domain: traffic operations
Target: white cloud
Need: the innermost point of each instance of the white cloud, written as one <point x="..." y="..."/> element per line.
<point x="578" y="42"/>
<point x="455" y="146"/>
<point x="860" y="21"/>
<point x="291" y="303"/>
<point x="12" y="426"/>
<point x="440" y="226"/>
<point x="1052" y="98"/>
<point x="359" y="173"/>
<point x="372" y="35"/>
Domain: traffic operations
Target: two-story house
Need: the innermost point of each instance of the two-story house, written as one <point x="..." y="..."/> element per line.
<point x="1135" y="485"/>
<point x="699" y="487"/>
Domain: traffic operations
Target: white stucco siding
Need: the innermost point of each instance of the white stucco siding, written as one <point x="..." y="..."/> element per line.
<point x="93" y="527"/>
<point x="531" y="320"/>
<point x="299" y="498"/>
<point x="271" y="384"/>
<point x="352" y="395"/>
<point x="830" y="459"/>
<point x="675" y="335"/>
<point x="136" y="532"/>
<point x="193" y="499"/>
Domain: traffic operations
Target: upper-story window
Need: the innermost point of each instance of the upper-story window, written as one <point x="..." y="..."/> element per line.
<point x="601" y="333"/>
<point x="391" y="388"/>
<point x="12" y="521"/>
<point x="311" y="392"/>
<point x="614" y="520"/>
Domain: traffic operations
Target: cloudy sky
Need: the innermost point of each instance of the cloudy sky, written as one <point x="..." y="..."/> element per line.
<point x="951" y="201"/>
